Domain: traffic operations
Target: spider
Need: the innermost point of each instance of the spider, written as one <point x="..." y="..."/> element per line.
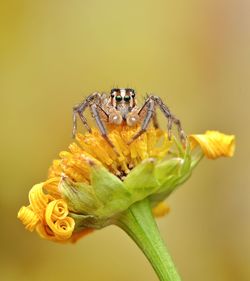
<point x="121" y="107"/>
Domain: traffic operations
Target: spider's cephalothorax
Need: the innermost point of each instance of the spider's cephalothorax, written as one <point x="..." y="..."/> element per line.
<point x="121" y="107"/>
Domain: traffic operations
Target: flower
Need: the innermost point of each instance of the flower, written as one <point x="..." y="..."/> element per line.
<point x="91" y="185"/>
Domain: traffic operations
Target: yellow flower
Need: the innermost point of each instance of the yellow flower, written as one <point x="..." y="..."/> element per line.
<point x="91" y="183"/>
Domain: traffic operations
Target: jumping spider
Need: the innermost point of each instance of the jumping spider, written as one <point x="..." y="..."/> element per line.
<point x="121" y="107"/>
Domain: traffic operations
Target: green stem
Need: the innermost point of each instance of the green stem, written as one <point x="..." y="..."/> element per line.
<point x="139" y="223"/>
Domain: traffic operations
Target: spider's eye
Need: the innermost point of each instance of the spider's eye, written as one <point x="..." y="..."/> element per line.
<point x="112" y="95"/>
<point x="118" y="98"/>
<point x="127" y="98"/>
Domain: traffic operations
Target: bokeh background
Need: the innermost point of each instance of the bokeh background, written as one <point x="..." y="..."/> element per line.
<point x="195" y="55"/>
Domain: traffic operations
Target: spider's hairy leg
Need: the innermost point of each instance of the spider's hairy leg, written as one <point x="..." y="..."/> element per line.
<point x="150" y="104"/>
<point x="80" y="108"/>
<point x="84" y="121"/>
<point x="155" y="121"/>
<point x="170" y="124"/>
<point x="171" y="118"/>
<point x="180" y="130"/>
<point x="154" y="118"/>
<point x="100" y="125"/>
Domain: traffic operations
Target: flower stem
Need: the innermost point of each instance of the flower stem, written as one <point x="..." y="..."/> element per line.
<point x="139" y="223"/>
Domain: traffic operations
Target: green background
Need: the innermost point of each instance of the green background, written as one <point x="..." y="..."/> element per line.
<point x="195" y="55"/>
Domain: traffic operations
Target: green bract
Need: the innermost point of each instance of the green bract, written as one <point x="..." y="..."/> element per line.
<point x="97" y="204"/>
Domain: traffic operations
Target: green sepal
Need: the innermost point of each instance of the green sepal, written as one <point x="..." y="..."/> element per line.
<point x="80" y="197"/>
<point x="177" y="170"/>
<point x="87" y="221"/>
<point x="179" y="147"/>
<point x="197" y="155"/>
<point x="141" y="181"/>
<point x="167" y="168"/>
<point x="110" y="190"/>
<point x="105" y="196"/>
<point x="185" y="168"/>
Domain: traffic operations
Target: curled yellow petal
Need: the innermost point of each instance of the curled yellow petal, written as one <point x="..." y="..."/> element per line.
<point x="38" y="199"/>
<point x="56" y="218"/>
<point x="51" y="187"/>
<point x="63" y="228"/>
<point x="214" y="144"/>
<point x="28" y="217"/>
<point x="45" y="232"/>
<point x="161" y="209"/>
<point x="56" y="210"/>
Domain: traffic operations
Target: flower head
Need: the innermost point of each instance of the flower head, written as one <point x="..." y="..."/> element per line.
<point x="91" y="184"/>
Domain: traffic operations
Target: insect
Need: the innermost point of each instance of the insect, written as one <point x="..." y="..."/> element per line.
<point x="121" y="107"/>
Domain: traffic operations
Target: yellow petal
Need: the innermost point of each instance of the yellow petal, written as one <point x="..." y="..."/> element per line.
<point x="57" y="220"/>
<point x="214" y="144"/>
<point x="57" y="209"/>
<point x="45" y="232"/>
<point x="38" y="199"/>
<point x="51" y="187"/>
<point x="63" y="228"/>
<point x="28" y="217"/>
<point x="161" y="209"/>
<point x="55" y="170"/>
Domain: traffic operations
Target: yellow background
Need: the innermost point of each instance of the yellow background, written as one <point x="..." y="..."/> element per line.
<point x="195" y="55"/>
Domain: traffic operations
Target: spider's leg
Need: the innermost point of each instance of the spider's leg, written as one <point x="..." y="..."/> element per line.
<point x="74" y="129"/>
<point x="171" y="118"/>
<point x="170" y="123"/>
<point x="180" y="130"/>
<point x="100" y="125"/>
<point x="144" y="105"/>
<point x="104" y="111"/>
<point x="150" y="112"/>
<point x="155" y="121"/>
<point x="76" y="111"/>
<point x="79" y="109"/>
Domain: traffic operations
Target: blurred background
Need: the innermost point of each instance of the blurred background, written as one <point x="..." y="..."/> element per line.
<point x="195" y="55"/>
